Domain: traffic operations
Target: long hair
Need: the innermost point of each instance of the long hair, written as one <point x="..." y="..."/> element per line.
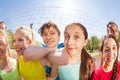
<point x="2" y="33"/>
<point x="86" y="59"/>
<point x="115" y="65"/>
<point x="112" y="26"/>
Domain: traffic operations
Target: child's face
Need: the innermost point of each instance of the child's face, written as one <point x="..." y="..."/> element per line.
<point x="20" y="42"/>
<point x="2" y="26"/>
<point x="74" y="40"/>
<point x="3" y="46"/>
<point x="50" y="37"/>
<point x="109" y="51"/>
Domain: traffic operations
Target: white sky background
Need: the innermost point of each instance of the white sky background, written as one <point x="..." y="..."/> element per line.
<point x="104" y="10"/>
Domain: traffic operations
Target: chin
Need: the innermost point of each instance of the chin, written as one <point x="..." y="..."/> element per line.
<point x="19" y="53"/>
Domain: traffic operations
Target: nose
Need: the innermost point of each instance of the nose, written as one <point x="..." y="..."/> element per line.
<point x="70" y="41"/>
<point x="110" y="52"/>
<point x="48" y="36"/>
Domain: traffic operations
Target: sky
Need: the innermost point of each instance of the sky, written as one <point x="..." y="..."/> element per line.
<point x="104" y="10"/>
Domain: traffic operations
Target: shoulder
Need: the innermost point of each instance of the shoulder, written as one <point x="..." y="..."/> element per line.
<point x="98" y="71"/>
<point x="118" y="62"/>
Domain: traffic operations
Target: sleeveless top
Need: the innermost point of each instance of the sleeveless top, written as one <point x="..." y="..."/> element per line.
<point x="31" y="70"/>
<point x="69" y="72"/>
<point x="13" y="75"/>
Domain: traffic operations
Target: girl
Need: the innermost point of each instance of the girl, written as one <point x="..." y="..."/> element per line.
<point x="30" y="70"/>
<point x="77" y="63"/>
<point x="8" y="65"/>
<point x="110" y="69"/>
<point x="112" y="28"/>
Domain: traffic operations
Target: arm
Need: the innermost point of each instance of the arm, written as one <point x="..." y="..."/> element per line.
<point x="58" y="57"/>
<point x="36" y="53"/>
<point x="54" y="73"/>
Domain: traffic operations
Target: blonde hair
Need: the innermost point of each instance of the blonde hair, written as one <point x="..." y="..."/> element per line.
<point x="2" y="33"/>
<point x="27" y="32"/>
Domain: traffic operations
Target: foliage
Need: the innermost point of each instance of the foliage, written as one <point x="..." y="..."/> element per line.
<point x="93" y="43"/>
<point x="11" y="36"/>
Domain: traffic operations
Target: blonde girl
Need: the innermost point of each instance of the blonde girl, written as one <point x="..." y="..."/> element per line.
<point x="29" y="70"/>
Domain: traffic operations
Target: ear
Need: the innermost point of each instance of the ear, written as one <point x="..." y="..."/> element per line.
<point x="30" y="42"/>
<point x="86" y="41"/>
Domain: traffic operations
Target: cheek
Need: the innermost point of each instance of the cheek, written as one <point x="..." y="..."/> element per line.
<point x="79" y="44"/>
<point x="57" y="38"/>
<point x="44" y="40"/>
<point x="65" y="42"/>
<point x="116" y="54"/>
<point x="103" y="55"/>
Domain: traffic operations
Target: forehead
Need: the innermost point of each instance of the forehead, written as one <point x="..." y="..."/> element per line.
<point x="50" y="29"/>
<point x="109" y="42"/>
<point x="19" y="33"/>
<point x="2" y="25"/>
<point x="73" y="29"/>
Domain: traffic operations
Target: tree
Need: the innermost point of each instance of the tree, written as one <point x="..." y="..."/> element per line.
<point x="11" y="36"/>
<point x="88" y="46"/>
<point x="93" y="43"/>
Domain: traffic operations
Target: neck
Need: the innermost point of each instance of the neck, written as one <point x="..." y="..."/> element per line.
<point x="107" y="67"/>
<point x="75" y="59"/>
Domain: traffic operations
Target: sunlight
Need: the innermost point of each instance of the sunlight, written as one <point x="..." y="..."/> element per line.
<point x="68" y="5"/>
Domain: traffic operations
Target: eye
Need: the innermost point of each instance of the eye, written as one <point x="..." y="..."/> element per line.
<point x="52" y="33"/>
<point x="115" y="48"/>
<point x="1" y="43"/>
<point x="44" y="34"/>
<point x="21" y="40"/>
<point x="106" y="50"/>
<point x="67" y="36"/>
<point x="76" y="37"/>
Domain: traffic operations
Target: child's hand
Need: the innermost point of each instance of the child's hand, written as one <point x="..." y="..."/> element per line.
<point x="50" y="78"/>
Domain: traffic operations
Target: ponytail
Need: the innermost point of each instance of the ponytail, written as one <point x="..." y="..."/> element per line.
<point x="85" y="67"/>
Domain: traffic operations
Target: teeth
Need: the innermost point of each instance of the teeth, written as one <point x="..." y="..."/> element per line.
<point x="18" y="49"/>
<point x="109" y="59"/>
<point x="49" y="42"/>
